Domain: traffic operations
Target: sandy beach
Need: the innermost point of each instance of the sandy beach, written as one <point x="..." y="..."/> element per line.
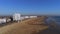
<point x="29" y="26"/>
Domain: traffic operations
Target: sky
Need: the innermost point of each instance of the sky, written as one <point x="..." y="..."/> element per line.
<point x="30" y="7"/>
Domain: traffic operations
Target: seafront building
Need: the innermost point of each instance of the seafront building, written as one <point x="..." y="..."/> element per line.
<point x="15" y="17"/>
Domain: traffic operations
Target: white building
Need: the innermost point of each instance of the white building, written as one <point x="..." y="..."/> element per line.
<point x="8" y="20"/>
<point x="3" y="20"/>
<point x="16" y="17"/>
<point x="33" y="16"/>
<point x="22" y="18"/>
<point x="26" y="17"/>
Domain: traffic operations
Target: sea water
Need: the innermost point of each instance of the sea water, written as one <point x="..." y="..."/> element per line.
<point x="57" y="21"/>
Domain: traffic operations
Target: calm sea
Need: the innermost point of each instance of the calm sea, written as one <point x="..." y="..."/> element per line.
<point x="57" y="20"/>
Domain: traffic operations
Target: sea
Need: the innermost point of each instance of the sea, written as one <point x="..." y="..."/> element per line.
<point x="56" y="18"/>
<point x="57" y="21"/>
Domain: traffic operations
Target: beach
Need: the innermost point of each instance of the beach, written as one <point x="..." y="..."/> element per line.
<point x="29" y="26"/>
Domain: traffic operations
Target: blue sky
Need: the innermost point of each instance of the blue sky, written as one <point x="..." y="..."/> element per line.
<point x="33" y="7"/>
